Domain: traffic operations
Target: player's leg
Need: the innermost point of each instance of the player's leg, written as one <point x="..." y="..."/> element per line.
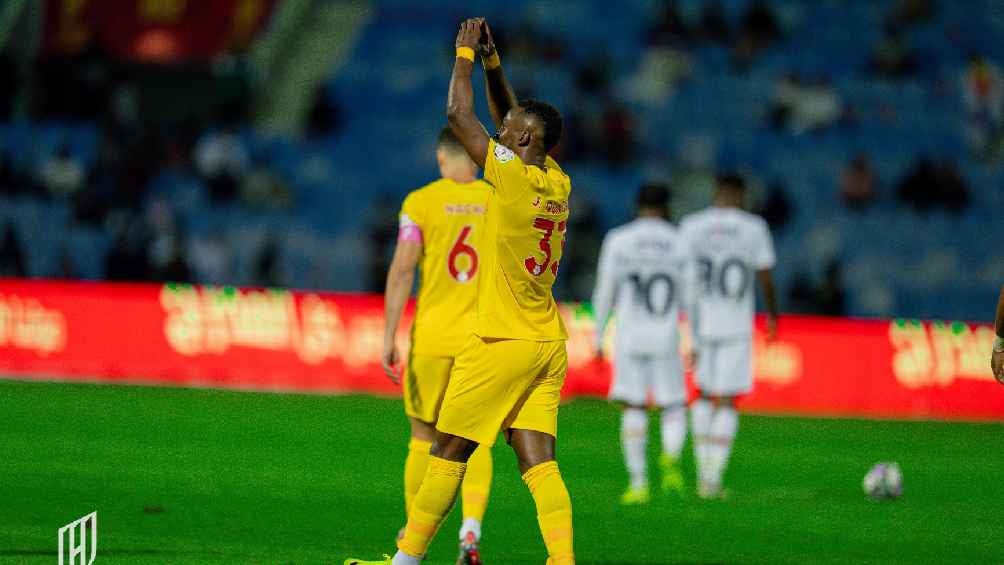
<point x="435" y="497"/>
<point x="474" y="492"/>
<point x="670" y="394"/>
<point x="733" y="378"/>
<point x="531" y="429"/>
<point x="628" y="389"/>
<point x="488" y="380"/>
<point x="535" y="453"/>
<point x="422" y="436"/>
<point x="424" y="385"/>
<point x="721" y="434"/>
<point x="702" y="409"/>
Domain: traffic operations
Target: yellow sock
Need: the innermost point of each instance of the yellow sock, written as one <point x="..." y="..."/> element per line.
<point x="414" y="469"/>
<point x="432" y="503"/>
<point x="554" y="511"/>
<point x="477" y="484"/>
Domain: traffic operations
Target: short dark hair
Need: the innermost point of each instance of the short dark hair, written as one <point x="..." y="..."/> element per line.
<point x="731" y="181"/>
<point x="547" y="114"/>
<point x="448" y="141"/>
<point x="653" y="195"/>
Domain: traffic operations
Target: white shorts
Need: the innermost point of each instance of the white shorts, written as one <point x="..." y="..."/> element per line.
<point x="635" y="375"/>
<point x="725" y="368"/>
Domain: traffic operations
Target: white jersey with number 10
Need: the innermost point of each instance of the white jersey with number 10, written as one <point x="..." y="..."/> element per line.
<point x="641" y="277"/>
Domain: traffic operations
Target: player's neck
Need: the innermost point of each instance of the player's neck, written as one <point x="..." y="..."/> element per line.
<point x="531" y="157"/>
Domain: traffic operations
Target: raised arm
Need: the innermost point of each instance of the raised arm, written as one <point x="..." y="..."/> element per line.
<point x="501" y="96"/>
<point x="460" y="102"/>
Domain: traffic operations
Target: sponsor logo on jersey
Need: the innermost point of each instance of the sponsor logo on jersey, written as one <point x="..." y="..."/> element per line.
<point x="503" y="154"/>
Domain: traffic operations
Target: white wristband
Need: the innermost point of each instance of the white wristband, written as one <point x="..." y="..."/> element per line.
<point x="999" y="344"/>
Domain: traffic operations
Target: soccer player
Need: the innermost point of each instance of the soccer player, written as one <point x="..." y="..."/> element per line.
<point x="728" y="247"/>
<point x="440" y="227"/>
<point x="642" y="276"/>
<point x="509" y="374"/>
<point x="997" y="357"/>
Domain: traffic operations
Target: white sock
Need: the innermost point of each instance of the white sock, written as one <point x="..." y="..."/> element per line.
<point x="470" y="525"/>
<point x="724" y="425"/>
<point x="700" y="425"/>
<point x="402" y="558"/>
<point x="634" y="436"/>
<point x="674" y="430"/>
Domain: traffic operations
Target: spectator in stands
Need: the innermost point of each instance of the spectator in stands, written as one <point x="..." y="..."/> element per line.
<point x="8" y="86"/>
<point x="714" y="27"/>
<point x="758" y="31"/>
<point x="930" y="184"/>
<point x="10" y="181"/>
<point x="267" y="270"/>
<point x="826" y="298"/>
<point x="799" y="106"/>
<point x="222" y="161"/>
<point x="11" y="255"/>
<point x="669" y="29"/>
<point x="893" y="56"/>
<point x="62" y="175"/>
<point x="661" y="68"/>
<point x="776" y="208"/>
<point x="172" y="265"/>
<point x="857" y="183"/>
<point x="210" y="259"/>
<point x="324" y="117"/>
<point x="618" y="135"/>
<point x="910" y="12"/>
<point x="128" y="261"/>
<point x="264" y="189"/>
<point x="983" y="94"/>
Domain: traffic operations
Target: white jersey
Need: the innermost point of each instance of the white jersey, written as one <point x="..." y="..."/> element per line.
<point x="642" y="276"/>
<point x="728" y="246"/>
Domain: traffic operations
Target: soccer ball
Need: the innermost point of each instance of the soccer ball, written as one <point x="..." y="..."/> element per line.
<point x="884" y="481"/>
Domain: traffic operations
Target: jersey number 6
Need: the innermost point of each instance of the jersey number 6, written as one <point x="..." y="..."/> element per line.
<point x="460" y="247"/>
<point x="537" y="268"/>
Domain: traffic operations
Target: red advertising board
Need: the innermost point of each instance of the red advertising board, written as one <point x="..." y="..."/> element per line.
<point x="304" y="341"/>
<point x="153" y="30"/>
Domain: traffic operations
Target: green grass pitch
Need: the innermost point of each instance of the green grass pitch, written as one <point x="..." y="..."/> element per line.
<point x="201" y="476"/>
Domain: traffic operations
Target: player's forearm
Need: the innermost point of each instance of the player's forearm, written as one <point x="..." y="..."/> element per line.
<point x="396" y="295"/>
<point x="999" y="320"/>
<point x="501" y="97"/>
<point x="769" y="294"/>
<point x="460" y="100"/>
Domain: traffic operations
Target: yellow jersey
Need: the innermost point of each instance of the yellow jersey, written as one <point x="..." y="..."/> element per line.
<point x="523" y="243"/>
<point x="448" y="218"/>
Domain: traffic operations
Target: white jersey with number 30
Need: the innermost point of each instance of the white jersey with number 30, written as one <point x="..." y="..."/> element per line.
<point x="728" y="246"/>
<point x="641" y="276"/>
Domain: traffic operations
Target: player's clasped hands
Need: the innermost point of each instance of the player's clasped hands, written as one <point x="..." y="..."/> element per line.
<point x="470" y="33"/>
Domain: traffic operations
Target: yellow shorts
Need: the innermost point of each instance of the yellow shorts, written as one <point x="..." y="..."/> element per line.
<point x="498" y="384"/>
<point x="424" y="386"/>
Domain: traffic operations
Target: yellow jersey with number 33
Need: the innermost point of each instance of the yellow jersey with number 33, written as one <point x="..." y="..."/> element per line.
<point x="448" y="219"/>
<point x="523" y="243"/>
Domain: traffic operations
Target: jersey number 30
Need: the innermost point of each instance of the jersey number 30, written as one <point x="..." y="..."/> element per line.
<point x="535" y="267"/>
<point x="461" y="247"/>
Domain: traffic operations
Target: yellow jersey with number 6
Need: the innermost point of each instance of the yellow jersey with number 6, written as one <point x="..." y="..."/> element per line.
<point x="523" y="243"/>
<point x="448" y="219"/>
